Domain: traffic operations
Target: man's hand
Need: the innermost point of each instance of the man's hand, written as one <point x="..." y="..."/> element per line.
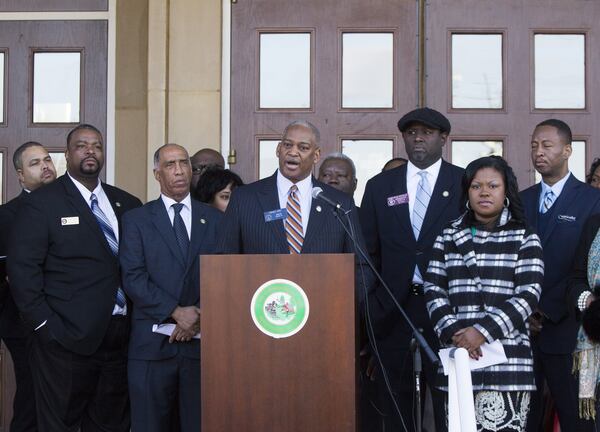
<point x="588" y="301"/>
<point x="470" y="339"/>
<point x="187" y="318"/>
<point x="536" y="321"/>
<point x="181" y="335"/>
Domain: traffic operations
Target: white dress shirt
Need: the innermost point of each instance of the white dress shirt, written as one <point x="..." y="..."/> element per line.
<point x="412" y="184"/>
<point x="108" y="211"/>
<point x="186" y="211"/>
<point x="556" y="188"/>
<point x="304" y="195"/>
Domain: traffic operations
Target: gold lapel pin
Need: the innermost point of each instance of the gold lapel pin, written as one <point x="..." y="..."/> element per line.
<point x="318" y="209"/>
<point x="445" y="194"/>
<point x="202" y="221"/>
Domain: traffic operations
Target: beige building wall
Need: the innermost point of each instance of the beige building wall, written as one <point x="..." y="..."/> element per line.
<point x="131" y="86"/>
<point x="168" y="84"/>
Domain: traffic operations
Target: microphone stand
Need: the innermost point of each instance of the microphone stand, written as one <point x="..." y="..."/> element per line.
<point x="418" y="338"/>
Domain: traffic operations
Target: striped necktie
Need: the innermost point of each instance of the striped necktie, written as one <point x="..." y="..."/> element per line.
<point x="293" y="222"/>
<point x="110" y="238"/>
<point x="421" y="203"/>
<point x="548" y="201"/>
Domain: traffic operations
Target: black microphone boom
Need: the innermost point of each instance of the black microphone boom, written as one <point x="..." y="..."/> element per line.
<point x="317" y="193"/>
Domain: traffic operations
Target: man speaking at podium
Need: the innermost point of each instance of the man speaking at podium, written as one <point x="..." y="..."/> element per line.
<point x="278" y="215"/>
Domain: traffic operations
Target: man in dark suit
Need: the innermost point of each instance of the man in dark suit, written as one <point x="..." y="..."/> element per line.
<point x="34" y="168"/>
<point x="65" y="280"/>
<point x="160" y="266"/>
<point x="402" y="212"/>
<point x="255" y="222"/>
<point x="557" y="208"/>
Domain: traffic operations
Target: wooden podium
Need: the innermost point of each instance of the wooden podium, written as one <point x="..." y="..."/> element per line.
<point x="254" y="382"/>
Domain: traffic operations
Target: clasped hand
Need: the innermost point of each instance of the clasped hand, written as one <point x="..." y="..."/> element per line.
<point x="188" y="323"/>
<point x="470" y="339"/>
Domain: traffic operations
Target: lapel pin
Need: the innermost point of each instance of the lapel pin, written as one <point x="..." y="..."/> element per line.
<point x="318" y="209"/>
<point x="202" y="221"/>
<point x="445" y="194"/>
<point x="118" y="204"/>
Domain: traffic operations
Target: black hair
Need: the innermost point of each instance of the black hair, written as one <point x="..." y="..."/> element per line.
<point x="595" y="164"/>
<point x="396" y="159"/>
<point x="17" y="162"/>
<point x="510" y="183"/>
<point x="212" y="181"/>
<point x="84" y="126"/>
<point x="563" y="129"/>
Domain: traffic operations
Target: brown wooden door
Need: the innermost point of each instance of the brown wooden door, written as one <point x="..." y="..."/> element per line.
<point x="383" y="31"/>
<point x="29" y="45"/>
<point x="50" y="47"/>
<point x="534" y="89"/>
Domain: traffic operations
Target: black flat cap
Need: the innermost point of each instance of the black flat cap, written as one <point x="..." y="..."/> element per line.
<point x="428" y="117"/>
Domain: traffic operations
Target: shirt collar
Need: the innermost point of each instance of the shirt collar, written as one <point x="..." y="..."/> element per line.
<point x="85" y="192"/>
<point x="433" y="169"/>
<point x="284" y="184"/>
<point x="556" y="187"/>
<point x="168" y="202"/>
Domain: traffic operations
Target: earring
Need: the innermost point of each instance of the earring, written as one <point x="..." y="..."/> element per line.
<point x="467" y="205"/>
<point x="506" y="202"/>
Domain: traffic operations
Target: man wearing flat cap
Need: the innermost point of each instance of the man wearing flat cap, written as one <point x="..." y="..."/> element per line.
<point x="402" y="212"/>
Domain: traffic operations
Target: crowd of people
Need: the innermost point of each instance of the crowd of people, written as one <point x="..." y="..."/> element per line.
<point x="101" y="308"/>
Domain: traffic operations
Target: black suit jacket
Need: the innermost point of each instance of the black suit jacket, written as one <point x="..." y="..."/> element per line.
<point x="246" y="232"/>
<point x="391" y="241"/>
<point x="576" y="203"/>
<point x="61" y="267"/>
<point x="11" y="324"/>
<point x="157" y="278"/>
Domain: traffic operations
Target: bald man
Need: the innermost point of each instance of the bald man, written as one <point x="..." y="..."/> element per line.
<point x="201" y="160"/>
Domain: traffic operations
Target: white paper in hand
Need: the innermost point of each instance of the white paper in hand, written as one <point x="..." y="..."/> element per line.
<point x="167" y="330"/>
<point x="493" y="354"/>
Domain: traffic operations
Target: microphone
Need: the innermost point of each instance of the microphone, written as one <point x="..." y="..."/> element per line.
<point x="317" y="193"/>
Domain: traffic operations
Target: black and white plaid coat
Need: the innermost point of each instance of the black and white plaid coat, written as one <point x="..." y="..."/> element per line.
<point x="490" y="280"/>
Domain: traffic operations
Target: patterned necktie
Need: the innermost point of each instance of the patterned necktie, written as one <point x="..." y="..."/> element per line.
<point x="110" y="238"/>
<point x="548" y="201"/>
<point x="180" y="231"/>
<point x="421" y="203"/>
<point x="293" y="222"/>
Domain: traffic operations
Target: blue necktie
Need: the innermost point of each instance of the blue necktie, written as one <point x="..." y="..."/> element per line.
<point x="548" y="201"/>
<point x="110" y="238"/>
<point x="180" y="231"/>
<point x="421" y="203"/>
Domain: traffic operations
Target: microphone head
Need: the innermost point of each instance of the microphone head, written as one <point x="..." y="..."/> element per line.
<point x="316" y="191"/>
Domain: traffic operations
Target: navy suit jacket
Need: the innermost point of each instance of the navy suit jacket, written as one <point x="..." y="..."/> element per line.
<point x="576" y="203"/>
<point x="390" y="239"/>
<point x="246" y="232"/>
<point x="157" y="278"/>
<point x="11" y="324"/>
<point x="61" y="267"/>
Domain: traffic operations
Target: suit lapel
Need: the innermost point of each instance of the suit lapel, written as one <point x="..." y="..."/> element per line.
<point x="398" y="187"/>
<point x="268" y="198"/>
<point x="84" y="211"/>
<point x="441" y="197"/>
<point x="198" y="231"/>
<point x="163" y="226"/>
<point x="532" y="206"/>
<point x="316" y="220"/>
<point x="562" y="204"/>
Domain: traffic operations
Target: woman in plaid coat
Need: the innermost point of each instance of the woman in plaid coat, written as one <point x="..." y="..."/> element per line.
<point x="483" y="282"/>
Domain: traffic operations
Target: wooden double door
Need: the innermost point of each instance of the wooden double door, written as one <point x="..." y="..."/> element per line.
<point x="353" y="68"/>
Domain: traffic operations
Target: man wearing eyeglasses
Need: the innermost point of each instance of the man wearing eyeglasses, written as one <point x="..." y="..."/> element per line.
<point x="203" y="159"/>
